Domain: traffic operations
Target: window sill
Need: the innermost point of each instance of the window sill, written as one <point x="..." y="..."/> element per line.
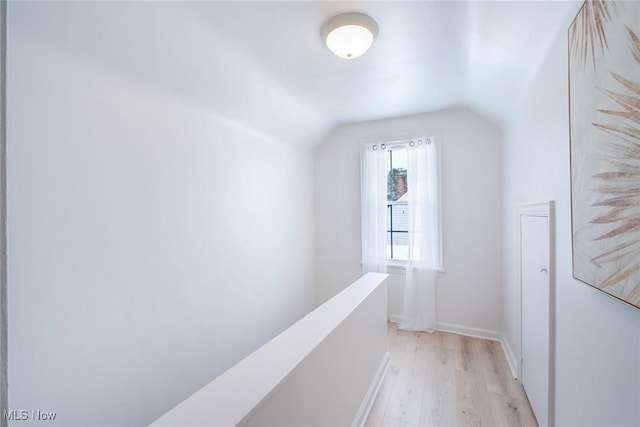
<point x="400" y="268"/>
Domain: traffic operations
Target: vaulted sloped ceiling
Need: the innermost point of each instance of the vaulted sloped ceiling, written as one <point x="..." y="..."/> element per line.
<point x="264" y="66"/>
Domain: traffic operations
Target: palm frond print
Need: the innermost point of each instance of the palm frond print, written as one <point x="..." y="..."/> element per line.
<point x="619" y="187"/>
<point x="587" y="33"/>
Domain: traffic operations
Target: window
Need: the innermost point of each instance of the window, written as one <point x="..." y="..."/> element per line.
<point x="397" y="242"/>
<point x="401" y="204"/>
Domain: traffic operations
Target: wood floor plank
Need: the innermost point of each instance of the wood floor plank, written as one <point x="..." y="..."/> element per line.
<point x="406" y="402"/>
<point x="439" y="401"/>
<point x="473" y="405"/>
<point x="512" y="412"/>
<point x="451" y="341"/>
<point x="437" y="339"/>
<point x="497" y="372"/>
<point x="392" y="422"/>
<point x="468" y="359"/>
<point x="393" y="335"/>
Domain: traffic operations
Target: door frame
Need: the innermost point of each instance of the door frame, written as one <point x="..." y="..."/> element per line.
<point x="545" y="210"/>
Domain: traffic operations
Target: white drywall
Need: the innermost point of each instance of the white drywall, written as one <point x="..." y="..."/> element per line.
<point x="153" y="243"/>
<point x="469" y="292"/>
<point x="3" y="216"/>
<point x="316" y="372"/>
<point x="598" y="338"/>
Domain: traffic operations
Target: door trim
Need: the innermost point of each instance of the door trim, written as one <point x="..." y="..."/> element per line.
<point x="547" y="210"/>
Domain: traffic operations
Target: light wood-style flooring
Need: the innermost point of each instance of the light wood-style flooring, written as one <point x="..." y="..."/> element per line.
<point x="444" y="379"/>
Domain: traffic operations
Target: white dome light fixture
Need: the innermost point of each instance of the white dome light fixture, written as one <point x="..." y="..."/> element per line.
<point x="349" y="35"/>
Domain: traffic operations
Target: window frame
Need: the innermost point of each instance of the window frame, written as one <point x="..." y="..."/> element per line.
<point x="399" y="266"/>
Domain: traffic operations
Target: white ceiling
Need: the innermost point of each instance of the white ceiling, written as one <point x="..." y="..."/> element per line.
<point x="264" y="66"/>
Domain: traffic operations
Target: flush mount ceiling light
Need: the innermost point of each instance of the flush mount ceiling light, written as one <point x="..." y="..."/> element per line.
<point x="349" y="35"/>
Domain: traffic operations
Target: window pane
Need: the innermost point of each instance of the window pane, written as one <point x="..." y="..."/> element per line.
<point x="397" y="231"/>
<point x="397" y="246"/>
<point x="396" y="174"/>
<point x="399" y="218"/>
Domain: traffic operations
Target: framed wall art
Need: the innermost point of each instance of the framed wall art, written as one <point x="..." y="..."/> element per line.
<point x="604" y="101"/>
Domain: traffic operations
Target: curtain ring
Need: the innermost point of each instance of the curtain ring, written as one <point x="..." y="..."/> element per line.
<point x="429" y="141"/>
<point x="383" y="146"/>
<point x="374" y="148"/>
<point x="411" y="143"/>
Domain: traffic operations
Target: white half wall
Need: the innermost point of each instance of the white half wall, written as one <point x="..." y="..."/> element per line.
<point x="469" y="293"/>
<point x="598" y="338"/>
<point x="336" y="384"/>
<point x="324" y="370"/>
<point x="152" y="242"/>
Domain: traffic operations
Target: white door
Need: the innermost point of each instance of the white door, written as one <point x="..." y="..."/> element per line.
<point x="535" y="313"/>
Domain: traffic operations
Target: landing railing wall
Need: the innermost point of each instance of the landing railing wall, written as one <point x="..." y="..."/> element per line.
<point x="323" y="370"/>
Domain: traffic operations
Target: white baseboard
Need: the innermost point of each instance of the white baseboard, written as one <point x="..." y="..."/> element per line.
<point x="395" y="318"/>
<point x="469" y="331"/>
<point x="477" y="333"/>
<point x="509" y="355"/>
<point x="459" y="329"/>
<point x="372" y="393"/>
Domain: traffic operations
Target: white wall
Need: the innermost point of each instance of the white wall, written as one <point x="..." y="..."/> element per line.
<point x="598" y="339"/>
<point x="152" y="243"/>
<point x="3" y="211"/>
<point x="469" y="292"/>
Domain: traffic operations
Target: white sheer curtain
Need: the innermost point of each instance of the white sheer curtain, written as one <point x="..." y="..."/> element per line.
<point x="419" y="309"/>
<point x="374" y="209"/>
